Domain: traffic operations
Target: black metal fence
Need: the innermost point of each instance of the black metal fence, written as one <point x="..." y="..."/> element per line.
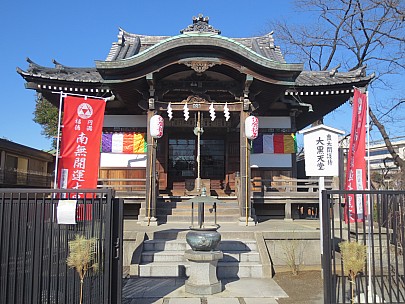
<point x="34" y="247"/>
<point x="382" y="233"/>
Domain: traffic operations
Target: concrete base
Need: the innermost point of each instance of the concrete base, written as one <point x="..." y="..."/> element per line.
<point x="203" y="289"/>
<point x="203" y="272"/>
<point x="149" y="222"/>
<point x="250" y="221"/>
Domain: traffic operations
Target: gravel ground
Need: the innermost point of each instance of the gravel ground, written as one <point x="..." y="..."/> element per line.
<point x="306" y="287"/>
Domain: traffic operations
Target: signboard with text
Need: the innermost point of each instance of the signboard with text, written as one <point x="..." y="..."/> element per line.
<point x="321" y="145"/>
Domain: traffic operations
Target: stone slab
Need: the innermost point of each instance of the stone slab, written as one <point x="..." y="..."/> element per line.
<point x="224" y="301"/>
<point x="201" y="256"/>
<point x="203" y="289"/>
<point x="153" y="288"/>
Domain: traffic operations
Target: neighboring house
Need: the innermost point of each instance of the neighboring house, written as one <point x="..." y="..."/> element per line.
<point x="383" y="169"/>
<point x="24" y="167"/>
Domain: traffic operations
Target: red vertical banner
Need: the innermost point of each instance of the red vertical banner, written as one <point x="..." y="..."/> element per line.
<point x="80" y="145"/>
<point x="356" y="210"/>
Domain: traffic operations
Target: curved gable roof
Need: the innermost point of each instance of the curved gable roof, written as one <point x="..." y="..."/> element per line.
<point x="130" y="44"/>
<point x="125" y="64"/>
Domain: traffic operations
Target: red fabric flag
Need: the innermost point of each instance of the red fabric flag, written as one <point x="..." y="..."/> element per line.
<point x="278" y="143"/>
<point x="356" y="164"/>
<point x="80" y="145"/>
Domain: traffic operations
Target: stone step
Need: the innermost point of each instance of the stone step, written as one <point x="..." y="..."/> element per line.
<point x="181" y="245"/>
<point x="180" y="234"/>
<point x="187" y="208"/>
<point x="181" y="212"/>
<point x="187" y="212"/>
<point x="241" y="256"/>
<point x="237" y="245"/>
<point x="162" y="256"/>
<point x="165" y="245"/>
<point x="178" y="256"/>
<point x="188" y="204"/>
<point x="179" y="269"/>
<point x="207" y="219"/>
<point x="239" y="270"/>
<point x="163" y="269"/>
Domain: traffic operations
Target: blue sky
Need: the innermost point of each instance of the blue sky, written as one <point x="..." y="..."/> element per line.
<point x="76" y="33"/>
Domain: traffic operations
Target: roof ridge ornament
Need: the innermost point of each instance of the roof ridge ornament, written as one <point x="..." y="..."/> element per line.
<point x="200" y="25"/>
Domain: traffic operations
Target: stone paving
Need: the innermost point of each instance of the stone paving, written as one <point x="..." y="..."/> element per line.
<point x="172" y="291"/>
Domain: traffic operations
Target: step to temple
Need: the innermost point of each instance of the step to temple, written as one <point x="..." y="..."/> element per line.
<point x="182" y="211"/>
<point x="163" y="256"/>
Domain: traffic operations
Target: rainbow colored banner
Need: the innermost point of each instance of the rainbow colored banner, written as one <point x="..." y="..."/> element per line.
<point x="127" y="143"/>
<point x="275" y="144"/>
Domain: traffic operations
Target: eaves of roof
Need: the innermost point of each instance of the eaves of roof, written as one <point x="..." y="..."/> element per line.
<point x="331" y="78"/>
<point x="22" y="150"/>
<point x="62" y="73"/>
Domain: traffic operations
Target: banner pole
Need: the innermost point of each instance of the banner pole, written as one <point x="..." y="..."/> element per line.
<point x="62" y="95"/>
<point x="368" y="195"/>
<point x="368" y="145"/>
<point x="247" y="183"/>
<point x="321" y="187"/>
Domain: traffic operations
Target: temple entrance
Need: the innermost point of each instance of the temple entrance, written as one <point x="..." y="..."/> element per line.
<point x="183" y="166"/>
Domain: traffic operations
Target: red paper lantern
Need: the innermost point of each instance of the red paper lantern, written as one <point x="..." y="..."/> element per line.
<point x="251" y="127"/>
<point x="156" y="126"/>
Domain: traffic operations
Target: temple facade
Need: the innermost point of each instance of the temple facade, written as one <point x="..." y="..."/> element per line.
<point x="205" y="85"/>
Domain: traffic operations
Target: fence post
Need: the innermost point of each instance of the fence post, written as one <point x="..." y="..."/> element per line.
<point x="326" y="256"/>
<point x="117" y="247"/>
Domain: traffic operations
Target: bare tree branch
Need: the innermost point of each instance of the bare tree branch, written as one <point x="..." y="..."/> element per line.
<point x="354" y="33"/>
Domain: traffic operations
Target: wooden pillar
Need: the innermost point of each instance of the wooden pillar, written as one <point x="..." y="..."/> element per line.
<point x="294" y="172"/>
<point x="150" y="194"/>
<point x="244" y="195"/>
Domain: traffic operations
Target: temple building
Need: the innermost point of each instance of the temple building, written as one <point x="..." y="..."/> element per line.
<point x="205" y="86"/>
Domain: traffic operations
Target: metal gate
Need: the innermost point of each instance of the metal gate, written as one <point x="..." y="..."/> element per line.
<point x="34" y="247"/>
<point x="382" y="279"/>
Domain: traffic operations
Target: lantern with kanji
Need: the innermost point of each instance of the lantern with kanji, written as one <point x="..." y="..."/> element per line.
<point x="156" y="126"/>
<point x="251" y="127"/>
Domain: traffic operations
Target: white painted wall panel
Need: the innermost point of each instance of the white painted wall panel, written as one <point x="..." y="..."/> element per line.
<point x="125" y="121"/>
<point x="114" y="160"/>
<point x="274" y="122"/>
<point x="271" y="160"/>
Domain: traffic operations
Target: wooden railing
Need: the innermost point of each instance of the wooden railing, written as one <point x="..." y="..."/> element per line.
<point x="137" y="186"/>
<point x="289" y="185"/>
<point x="300" y="197"/>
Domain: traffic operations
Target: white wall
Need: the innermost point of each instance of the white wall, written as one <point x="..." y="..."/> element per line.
<point x="122" y="160"/>
<point x="275" y="122"/>
<point x="125" y="121"/>
<point x="263" y="160"/>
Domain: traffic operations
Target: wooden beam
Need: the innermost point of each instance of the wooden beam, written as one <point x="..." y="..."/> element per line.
<point x="193" y="107"/>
